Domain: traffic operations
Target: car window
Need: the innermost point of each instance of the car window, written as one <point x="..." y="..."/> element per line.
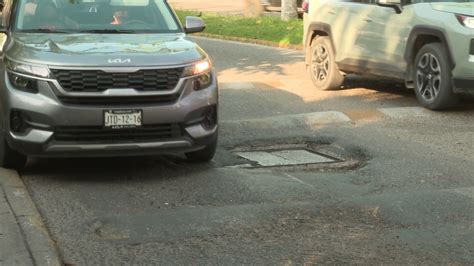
<point x="96" y="15"/>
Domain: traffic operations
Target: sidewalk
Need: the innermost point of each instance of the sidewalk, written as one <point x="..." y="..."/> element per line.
<point x="23" y="238"/>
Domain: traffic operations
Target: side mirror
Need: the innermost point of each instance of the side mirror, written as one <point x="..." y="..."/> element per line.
<point x="194" y="24"/>
<point x="395" y="4"/>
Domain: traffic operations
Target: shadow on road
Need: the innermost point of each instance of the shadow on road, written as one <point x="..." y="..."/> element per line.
<point x="398" y="88"/>
<point x="119" y="169"/>
<point x="375" y="84"/>
<point x="256" y="58"/>
<point x="260" y="64"/>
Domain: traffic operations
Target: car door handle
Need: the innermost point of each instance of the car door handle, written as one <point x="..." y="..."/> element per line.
<point x="332" y="12"/>
<point x="368" y="20"/>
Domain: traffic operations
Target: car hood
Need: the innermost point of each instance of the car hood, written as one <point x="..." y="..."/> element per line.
<point x="466" y="8"/>
<point x="103" y="49"/>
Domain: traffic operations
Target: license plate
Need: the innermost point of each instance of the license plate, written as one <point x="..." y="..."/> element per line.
<point x="118" y="119"/>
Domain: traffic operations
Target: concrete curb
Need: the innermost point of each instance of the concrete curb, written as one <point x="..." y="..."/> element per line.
<point x="298" y="47"/>
<point x="39" y="244"/>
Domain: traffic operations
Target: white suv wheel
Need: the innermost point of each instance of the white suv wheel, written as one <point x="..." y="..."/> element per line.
<point x="323" y="69"/>
<point x="432" y="76"/>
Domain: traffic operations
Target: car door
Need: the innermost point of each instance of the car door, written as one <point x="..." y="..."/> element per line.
<point x="383" y="39"/>
<point x="345" y="27"/>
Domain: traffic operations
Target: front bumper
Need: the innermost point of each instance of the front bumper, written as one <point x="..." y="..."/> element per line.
<point x="46" y="113"/>
<point x="461" y="40"/>
<point x="56" y="149"/>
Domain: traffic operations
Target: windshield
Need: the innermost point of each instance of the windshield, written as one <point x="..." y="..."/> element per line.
<point x="106" y="16"/>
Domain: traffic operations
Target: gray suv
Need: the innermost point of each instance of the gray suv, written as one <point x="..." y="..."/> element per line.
<point x="86" y="78"/>
<point x="429" y="44"/>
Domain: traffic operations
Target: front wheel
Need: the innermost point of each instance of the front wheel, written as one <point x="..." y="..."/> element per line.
<point x="9" y="158"/>
<point x="323" y="68"/>
<point x="432" y="76"/>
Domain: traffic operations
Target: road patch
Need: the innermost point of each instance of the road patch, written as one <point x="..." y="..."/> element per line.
<point x="405" y="112"/>
<point x="284" y="157"/>
<point x="365" y="115"/>
<point x="294" y="154"/>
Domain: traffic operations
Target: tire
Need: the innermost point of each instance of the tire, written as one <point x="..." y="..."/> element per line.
<point x="323" y="69"/>
<point x="9" y="158"/>
<point x="204" y="155"/>
<point x="432" y="77"/>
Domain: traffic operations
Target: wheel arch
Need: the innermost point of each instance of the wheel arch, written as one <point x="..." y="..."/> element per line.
<point x="420" y="36"/>
<point x="317" y="29"/>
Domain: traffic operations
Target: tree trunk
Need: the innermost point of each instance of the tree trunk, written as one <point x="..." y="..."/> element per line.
<point x="289" y="9"/>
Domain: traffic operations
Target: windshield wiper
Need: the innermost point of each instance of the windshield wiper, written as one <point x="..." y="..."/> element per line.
<point x="108" y="31"/>
<point x="46" y="31"/>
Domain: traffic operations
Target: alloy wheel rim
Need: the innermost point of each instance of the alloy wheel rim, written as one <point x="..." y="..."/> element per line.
<point x="320" y="63"/>
<point x="428" y="77"/>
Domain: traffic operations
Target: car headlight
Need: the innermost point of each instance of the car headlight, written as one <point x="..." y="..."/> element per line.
<point x="201" y="73"/>
<point x="23" y="83"/>
<point x="24" y="77"/>
<point x="467" y="21"/>
<point x="31" y="70"/>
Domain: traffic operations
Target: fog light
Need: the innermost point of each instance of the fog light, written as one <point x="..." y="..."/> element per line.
<point x="20" y="82"/>
<point x="210" y="118"/>
<point x="202" y="81"/>
<point x="17" y="122"/>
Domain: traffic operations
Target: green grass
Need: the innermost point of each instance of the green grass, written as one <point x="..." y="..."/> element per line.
<point x="264" y="28"/>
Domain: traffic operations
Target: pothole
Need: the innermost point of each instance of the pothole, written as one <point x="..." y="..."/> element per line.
<point x="302" y="155"/>
<point x="108" y="231"/>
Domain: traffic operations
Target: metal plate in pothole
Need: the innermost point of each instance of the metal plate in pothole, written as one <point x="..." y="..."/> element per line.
<point x="296" y="154"/>
<point x="285" y="157"/>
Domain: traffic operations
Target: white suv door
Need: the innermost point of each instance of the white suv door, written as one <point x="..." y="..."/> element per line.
<point x="383" y="38"/>
<point x="342" y="16"/>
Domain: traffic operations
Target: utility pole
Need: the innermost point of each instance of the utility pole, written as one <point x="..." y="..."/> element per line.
<point x="289" y="9"/>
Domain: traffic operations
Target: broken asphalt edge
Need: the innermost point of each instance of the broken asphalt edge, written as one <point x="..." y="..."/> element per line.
<point x="39" y="243"/>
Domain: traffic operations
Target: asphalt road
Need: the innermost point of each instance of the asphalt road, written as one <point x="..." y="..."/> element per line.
<point x="410" y="200"/>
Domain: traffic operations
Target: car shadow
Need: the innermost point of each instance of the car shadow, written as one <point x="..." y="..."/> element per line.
<point x="397" y="87"/>
<point x="116" y="169"/>
<point x="376" y="84"/>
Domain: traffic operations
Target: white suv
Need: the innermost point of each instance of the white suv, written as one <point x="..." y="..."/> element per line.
<point x="428" y="44"/>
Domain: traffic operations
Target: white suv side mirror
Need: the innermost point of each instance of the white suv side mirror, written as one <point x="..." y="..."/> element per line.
<point x="396" y="4"/>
